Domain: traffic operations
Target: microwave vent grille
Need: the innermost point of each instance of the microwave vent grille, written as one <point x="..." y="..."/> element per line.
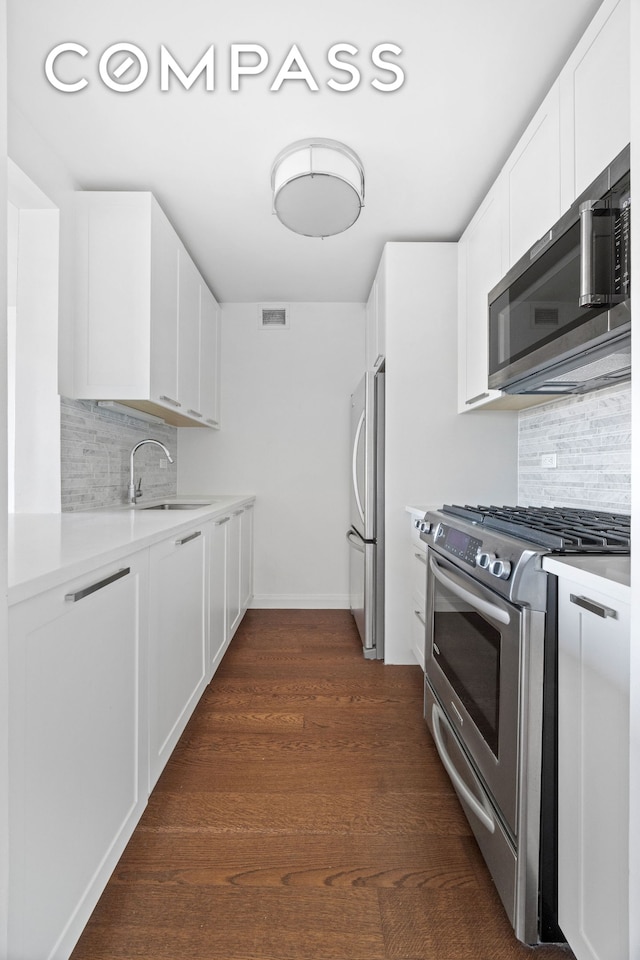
<point x="546" y="316"/>
<point x="605" y="371"/>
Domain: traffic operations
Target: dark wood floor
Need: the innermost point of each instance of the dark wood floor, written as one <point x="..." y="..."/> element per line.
<point x="304" y="815"/>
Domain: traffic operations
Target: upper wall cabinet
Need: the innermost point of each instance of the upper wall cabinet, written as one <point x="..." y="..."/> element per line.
<point x="532" y="179"/>
<point x="480" y="266"/>
<point x="146" y="326"/>
<point x="595" y="99"/>
<point x="582" y="124"/>
<point x="522" y="203"/>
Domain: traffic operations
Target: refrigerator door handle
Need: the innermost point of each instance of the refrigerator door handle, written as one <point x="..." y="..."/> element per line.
<point x="354" y="466"/>
<point x="355" y="542"/>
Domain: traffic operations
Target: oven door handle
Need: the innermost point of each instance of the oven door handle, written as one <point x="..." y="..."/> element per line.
<point x="482" y="810"/>
<point x="464" y="593"/>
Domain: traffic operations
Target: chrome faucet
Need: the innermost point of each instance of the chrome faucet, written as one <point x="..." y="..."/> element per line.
<point x="133" y="493"/>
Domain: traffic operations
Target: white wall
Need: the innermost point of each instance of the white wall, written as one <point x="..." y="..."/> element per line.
<point x="433" y="454"/>
<point x="36" y="159"/>
<point x="33" y="360"/>
<point x="4" y="693"/>
<point x="285" y="437"/>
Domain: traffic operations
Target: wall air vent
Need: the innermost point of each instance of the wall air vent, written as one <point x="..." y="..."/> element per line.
<point x="273" y="316"/>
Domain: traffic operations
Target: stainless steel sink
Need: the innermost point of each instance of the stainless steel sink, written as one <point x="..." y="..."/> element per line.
<point x="176" y="505"/>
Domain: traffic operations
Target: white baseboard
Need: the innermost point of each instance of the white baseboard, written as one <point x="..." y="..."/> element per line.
<point x="300" y="601"/>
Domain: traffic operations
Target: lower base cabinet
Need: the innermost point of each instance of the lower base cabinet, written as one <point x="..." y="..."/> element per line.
<point x="218" y="611"/>
<point x="246" y="559"/>
<point x="231" y="579"/>
<point x="593" y="772"/>
<point x="104" y="674"/>
<point x="75" y="789"/>
<point x="418" y="565"/>
<point x="177" y="640"/>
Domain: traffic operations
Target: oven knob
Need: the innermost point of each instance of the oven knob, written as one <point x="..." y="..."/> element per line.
<point x="501" y="569"/>
<point x="417" y="523"/>
<point x="439" y="533"/>
<point x="425" y="526"/>
<point x="485" y="560"/>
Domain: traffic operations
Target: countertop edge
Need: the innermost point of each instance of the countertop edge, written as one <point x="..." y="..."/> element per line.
<point x="133" y="542"/>
<point x="420" y="511"/>
<point x="613" y="582"/>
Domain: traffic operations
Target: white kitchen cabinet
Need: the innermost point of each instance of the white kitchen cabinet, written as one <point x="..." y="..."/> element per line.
<point x="246" y="558"/>
<point x="523" y="202"/>
<point x="230" y="579"/>
<point x="532" y="180"/>
<point x="177" y="640"/>
<point x="595" y="98"/>
<point x="137" y="335"/>
<point x="375" y="320"/>
<point x="163" y="314"/>
<point x="188" y="335"/>
<point x="418" y="566"/>
<point x="480" y="267"/>
<point x="209" y="402"/>
<point x="77" y="784"/>
<point x="234" y="605"/>
<point x="593" y="771"/>
<point x="218" y="611"/>
<point x="239" y="566"/>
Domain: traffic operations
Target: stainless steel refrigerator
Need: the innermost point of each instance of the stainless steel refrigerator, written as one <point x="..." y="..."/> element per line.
<point x="366" y="534"/>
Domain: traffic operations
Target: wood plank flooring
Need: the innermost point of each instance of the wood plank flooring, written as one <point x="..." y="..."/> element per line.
<point x="304" y="815"/>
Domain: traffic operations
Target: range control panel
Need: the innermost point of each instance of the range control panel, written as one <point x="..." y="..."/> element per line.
<point x="460" y="544"/>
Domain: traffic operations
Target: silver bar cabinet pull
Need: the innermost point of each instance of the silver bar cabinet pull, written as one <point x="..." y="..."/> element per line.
<point x="481" y="396"/>
<point x="192" y="536"/>
<point x="218" y="523"/>
<point x="174" y="403"/>
<point x="86" y="591"/>
<point x="420" y="617"/>
<point x="214" y="423"/>
<point x="194" y="413"/>
<point x="598" y="608"/>
<point x="421" y="557"/>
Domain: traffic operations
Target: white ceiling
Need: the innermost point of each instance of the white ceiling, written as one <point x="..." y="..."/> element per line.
<point x="475" y="72"/>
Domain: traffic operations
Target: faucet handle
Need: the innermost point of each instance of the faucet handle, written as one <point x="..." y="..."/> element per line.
<point x="138" y="493"/>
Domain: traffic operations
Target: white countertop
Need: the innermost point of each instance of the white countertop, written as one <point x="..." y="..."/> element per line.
<point x="608" y="574"/>
<point x="420" y="511"/>
<point x="46" y="550"/>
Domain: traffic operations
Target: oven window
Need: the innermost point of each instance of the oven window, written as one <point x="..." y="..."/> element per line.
<point x="466" y="647"/>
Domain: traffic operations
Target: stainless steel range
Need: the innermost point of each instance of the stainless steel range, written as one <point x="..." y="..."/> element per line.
<point x="490" y="683"/>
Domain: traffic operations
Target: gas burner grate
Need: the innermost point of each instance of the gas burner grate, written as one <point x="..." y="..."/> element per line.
<point x="559" y="529"/>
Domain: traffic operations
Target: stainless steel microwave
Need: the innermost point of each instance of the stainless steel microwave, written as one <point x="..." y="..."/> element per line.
<point x="560" y="320"/>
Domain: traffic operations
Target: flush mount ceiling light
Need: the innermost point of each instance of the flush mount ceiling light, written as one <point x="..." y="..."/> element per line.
<point x="318" y="187"/>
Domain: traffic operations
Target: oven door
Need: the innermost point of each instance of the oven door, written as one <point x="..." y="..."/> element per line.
<point x="473" y="663"/>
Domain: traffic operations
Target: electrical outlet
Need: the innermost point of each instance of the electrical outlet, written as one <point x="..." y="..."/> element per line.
<point x="163" y="463"/>
<point x="548" y="460"/>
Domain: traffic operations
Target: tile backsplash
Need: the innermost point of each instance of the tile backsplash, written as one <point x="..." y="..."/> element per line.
<point x="590" y="436"/>
<point x="95" y="447"/>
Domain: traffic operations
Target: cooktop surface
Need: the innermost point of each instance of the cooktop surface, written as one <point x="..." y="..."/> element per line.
<point x="558" y="529"/>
